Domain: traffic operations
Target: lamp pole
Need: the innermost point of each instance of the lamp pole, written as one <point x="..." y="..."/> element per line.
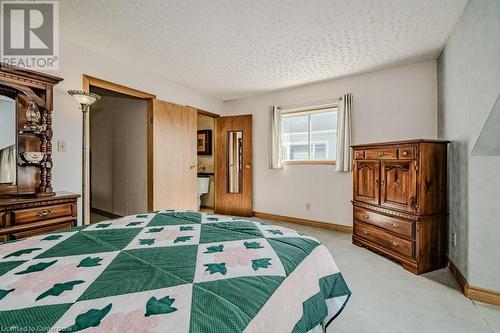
<point x="85" y="99"/>
<point x="85" y="169"/>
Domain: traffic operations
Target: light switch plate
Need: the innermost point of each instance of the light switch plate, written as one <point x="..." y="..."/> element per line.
<point x="61" y="146"/>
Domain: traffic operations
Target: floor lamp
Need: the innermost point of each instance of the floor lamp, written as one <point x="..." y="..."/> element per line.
<point x="85" y="99"/>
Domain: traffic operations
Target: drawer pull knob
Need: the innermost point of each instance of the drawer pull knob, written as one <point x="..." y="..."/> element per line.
<point x="44" y="213"/>
<point x="365" y="232"/>
<point x="405" y="153"/>
<point x="366" y="216"/>
<point x="395" y="225"/>
<point x="395" y="244"/>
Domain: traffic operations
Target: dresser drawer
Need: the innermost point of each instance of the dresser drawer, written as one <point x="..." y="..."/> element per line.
<point x="382" y="238"/>
<point x="408" y="152"/>
<point x="42" y="230"/>
<point x="359" y="154"/>
<point x="385" y="154"/>
<point x="396" y="225"/>
<point x="25" y="216"/>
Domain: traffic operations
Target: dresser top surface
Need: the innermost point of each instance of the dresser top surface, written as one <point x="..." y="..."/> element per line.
<point x="7" y="201"/>
<point x="376" y="144"/>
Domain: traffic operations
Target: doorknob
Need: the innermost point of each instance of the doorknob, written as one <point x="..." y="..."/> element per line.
<point x="248" y="166"/>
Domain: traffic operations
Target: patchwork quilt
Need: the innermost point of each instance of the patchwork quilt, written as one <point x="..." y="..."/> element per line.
<point x="170" y="271"/>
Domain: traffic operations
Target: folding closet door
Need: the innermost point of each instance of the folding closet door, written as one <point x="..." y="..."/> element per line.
<point x="174" y="157"/>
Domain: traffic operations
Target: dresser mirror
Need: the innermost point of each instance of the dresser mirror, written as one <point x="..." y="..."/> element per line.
<point x="8" y="145"/>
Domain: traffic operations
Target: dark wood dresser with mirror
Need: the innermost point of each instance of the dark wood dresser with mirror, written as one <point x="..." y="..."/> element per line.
<point x="400" y="201"/>
<point x="28" y="203"/>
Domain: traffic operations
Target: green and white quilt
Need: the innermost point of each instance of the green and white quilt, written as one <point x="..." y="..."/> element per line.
<point x="170" y="271"/>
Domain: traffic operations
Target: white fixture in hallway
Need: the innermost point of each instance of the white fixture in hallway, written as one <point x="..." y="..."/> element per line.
<point x="203" y="184"/>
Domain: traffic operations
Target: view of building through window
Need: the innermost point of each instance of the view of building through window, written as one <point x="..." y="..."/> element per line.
<point x="310" y="135"/>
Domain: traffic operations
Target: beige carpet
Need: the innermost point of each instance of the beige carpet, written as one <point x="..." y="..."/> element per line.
<point x="386" y="298"/>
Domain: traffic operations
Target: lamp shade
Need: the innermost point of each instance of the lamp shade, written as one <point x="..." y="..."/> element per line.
<point x="83" y="97"/>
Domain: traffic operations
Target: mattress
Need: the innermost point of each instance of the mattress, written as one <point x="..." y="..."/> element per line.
<point x="170" y="271"/>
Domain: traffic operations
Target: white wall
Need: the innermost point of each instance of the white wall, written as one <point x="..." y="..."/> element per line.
<point x="76" y="61"/>
<point x="394" y="104"/>
<point x="469" y="84"/>
<point x="118" y="149"/>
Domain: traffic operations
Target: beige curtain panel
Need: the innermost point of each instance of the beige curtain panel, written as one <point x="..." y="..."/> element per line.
<point x="275" y="144"/>
<point x="344" y="134"/>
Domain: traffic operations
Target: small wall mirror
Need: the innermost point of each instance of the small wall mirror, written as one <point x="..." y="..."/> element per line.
<point x="8" y="155"/>
<point x="234" y="161"/>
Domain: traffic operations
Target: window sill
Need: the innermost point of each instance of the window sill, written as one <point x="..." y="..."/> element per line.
<point x="310" y="162"/>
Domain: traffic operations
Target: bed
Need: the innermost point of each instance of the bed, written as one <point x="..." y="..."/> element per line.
<point x="170" y="271"/>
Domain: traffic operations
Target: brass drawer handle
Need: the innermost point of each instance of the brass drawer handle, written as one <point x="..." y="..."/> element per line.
<point x="44" y="214"/>
<point x="395" y="244"/>
<point x="365" y="232"/>
<point x="405" y="153"/>
<point x="395" y="225"/>
<point x="380" y="154"/>
<point x="366" y="216"/>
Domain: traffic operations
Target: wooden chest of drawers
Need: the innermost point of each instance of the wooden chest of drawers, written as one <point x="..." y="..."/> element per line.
<point x="25" y="217"/>
<point x="400" y="201"/>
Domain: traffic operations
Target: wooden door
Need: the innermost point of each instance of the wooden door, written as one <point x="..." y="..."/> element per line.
<point x="174" y="156"/>
<point x="398" y="185"/>
<point x="233" y="165"/>
<point x="366" y="181"/>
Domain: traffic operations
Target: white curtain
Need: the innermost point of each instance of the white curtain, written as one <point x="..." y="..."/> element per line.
<point x="8" y="165"/>
<point x="344" y="134"/>
<point x="275" y="146"/>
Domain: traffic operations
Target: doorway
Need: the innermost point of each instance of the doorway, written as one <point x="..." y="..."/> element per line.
<point x="120" y="148"/>
<point x="206" y="160"/>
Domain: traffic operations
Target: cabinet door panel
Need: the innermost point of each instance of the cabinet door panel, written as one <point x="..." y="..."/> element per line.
<point x="366" y="179"/>
<point x="398" y="185"/>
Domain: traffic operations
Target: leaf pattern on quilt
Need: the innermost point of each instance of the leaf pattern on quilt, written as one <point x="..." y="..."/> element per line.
<point x="253" y="245"/>
<point x="4" y="292"/>
<point x="147" y="241"/>
<point x="212" y="219"/>
<point x="142" y="216"/>
<point x="102" y="225"/>
<point x="59" y="288"/>
<point x="154" y="230"/>
<point x="52" y="237"/>
<point x="275" y="232"/>
<point x="156" y="306"/>
<point x="182" y="239"/>
<point x="186" y="228"/>
<point x="91" y="318"/>
<point x="21" y="252"/>
<point x="90" y="262"/>
<point x="216" y="268"/>
<point x="133" y="224"/>
<point x="261" y="263"/>
<point x="37" y="267"/>
<point x="215" y="249"/>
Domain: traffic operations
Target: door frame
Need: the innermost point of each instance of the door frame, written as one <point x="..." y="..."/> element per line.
<point x="89" y="81"/>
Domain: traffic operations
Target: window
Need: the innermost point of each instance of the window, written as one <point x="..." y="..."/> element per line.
<point x="310" y="135"/>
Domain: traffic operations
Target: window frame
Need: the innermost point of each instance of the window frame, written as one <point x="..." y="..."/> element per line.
<point x="309" y="111"/>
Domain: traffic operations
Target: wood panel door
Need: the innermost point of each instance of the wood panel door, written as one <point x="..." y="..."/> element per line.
<point x="174" y="156"/>
<point x="233" y="165"/>
<point x="398" y="185"/>
<point x="366" y="181"/>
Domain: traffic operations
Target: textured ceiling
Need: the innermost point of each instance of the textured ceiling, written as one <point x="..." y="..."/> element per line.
<point x="232" y="49"/>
